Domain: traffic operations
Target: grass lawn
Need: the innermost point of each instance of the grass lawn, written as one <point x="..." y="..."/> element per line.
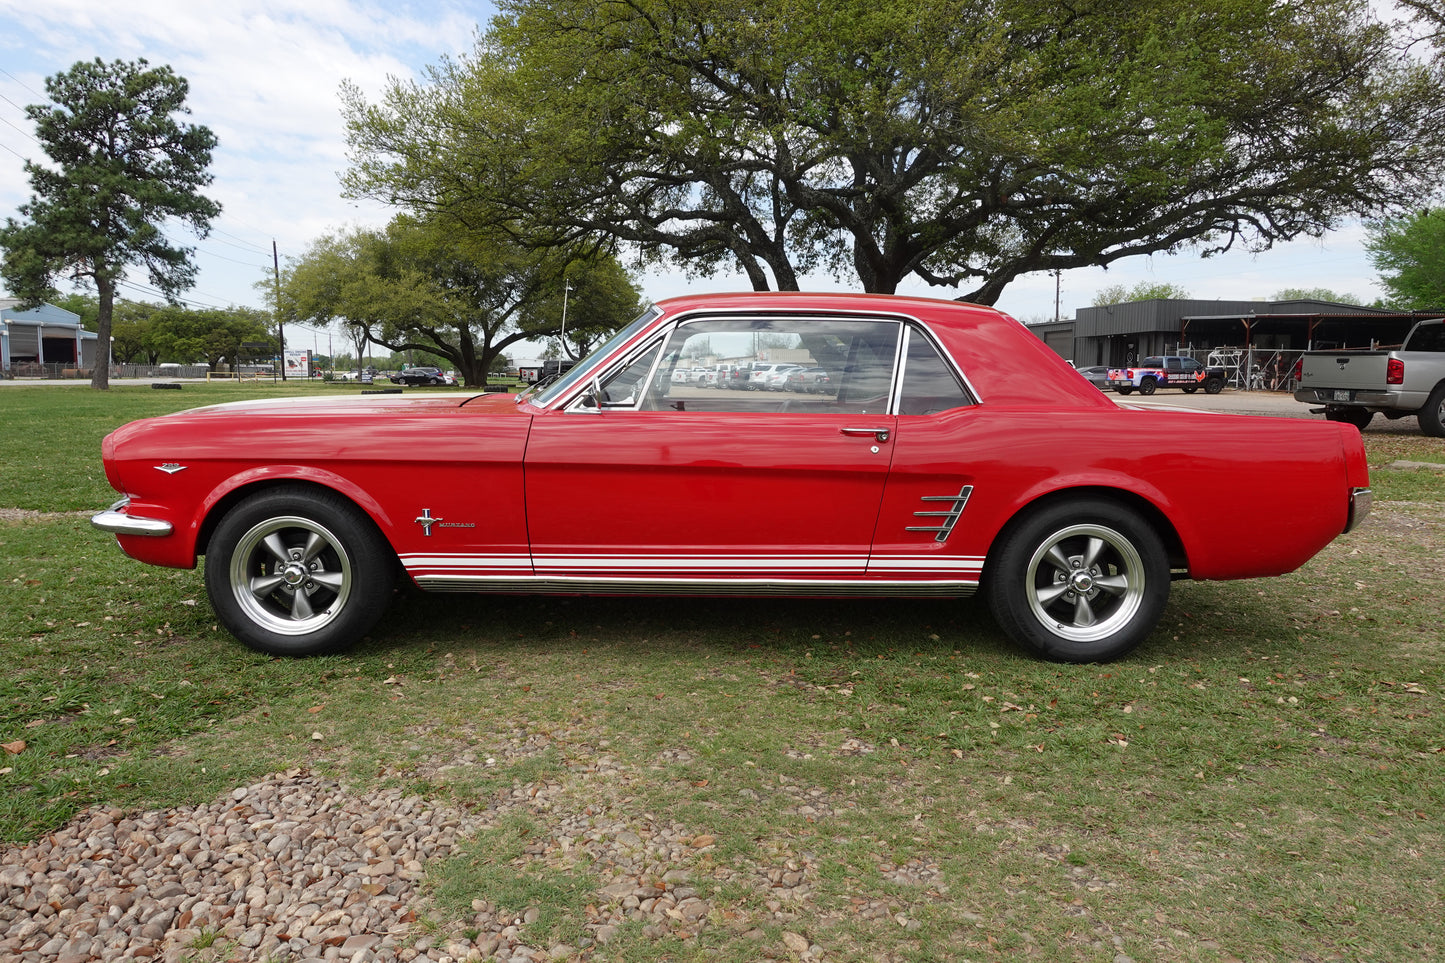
<point x="1262" y="780"/>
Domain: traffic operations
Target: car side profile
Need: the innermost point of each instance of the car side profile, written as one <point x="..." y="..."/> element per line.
<point x="953" y="454"/>
<point x="420" y="376"/>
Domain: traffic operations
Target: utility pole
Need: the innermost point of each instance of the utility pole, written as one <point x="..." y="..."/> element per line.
<point x="1057" y="285"/>
<point x="566" y="289"/>
<point x="280" y="325"/>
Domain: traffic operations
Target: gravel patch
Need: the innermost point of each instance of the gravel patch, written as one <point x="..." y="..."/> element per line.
<point x="296" y="869"/>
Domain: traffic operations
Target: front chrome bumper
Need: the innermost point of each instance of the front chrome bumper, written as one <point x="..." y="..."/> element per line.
<point x="1360" y="500"/>
<point x="119" y="523"/>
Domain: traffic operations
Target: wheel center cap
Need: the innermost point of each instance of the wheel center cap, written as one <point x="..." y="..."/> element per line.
<point x="294" y="573"/>
<point x="1081" y="582"/>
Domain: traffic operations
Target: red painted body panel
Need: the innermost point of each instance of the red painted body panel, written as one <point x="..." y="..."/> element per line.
<point x="521" y="491"/>
<point x="393" y="457"/>
<point x="747" y="494"/>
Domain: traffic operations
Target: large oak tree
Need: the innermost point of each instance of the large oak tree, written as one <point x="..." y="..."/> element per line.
<point x="424" y="284"/>
<point x="122" y="166"/>
<point x="963" y="142"/>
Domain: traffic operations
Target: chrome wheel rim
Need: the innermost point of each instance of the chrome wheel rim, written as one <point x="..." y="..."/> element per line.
<point x="1085" y="582"/>
<point x="290" y="575"/>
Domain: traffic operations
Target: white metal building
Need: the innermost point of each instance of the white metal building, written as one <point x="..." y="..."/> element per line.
<point x="43" y="337"/>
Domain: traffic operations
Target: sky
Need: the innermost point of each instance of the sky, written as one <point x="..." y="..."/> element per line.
<point x="266" y="80"/>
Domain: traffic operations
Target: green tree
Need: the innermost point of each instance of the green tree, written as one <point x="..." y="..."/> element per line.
<point x="206" y="336"/>
<point x="1143" y="291"/>
<point x="1314" y="294"/>
<point x="87" y="306"/>
<point x="429" y="285"/>
<point x="1409" y="253"/>
<point x="963" y="142"/>
<point x="133" y="332"/>
<point x="122" y="167"/>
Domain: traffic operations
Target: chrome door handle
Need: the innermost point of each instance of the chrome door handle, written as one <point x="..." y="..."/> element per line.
<point x="879" y="434"/>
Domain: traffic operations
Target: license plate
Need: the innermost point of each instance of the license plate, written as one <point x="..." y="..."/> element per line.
<point x="1341" y="395"/>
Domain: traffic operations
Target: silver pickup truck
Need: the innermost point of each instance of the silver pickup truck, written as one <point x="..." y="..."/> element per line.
<point x="1353" y="385"/>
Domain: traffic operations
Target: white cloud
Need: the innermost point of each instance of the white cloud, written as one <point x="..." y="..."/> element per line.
<point x="265" y="79"/>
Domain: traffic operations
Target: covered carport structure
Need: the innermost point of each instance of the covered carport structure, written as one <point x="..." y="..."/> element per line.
<point x="1260" y="350"/>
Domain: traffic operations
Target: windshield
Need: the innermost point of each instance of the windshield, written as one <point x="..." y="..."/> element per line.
<point x="583" y="368"/>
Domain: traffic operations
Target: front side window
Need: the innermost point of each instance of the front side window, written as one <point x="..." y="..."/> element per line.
<point x="763" y="365"/>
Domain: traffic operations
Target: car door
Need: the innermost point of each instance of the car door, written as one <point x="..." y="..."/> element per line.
<point x="640" y="479"/>
<point x="943" y="454"/>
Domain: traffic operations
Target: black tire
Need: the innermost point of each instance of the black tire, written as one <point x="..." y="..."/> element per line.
<point x="1359" y="417"/>
<point x="1213" y="386"/>
<point x="1124" y="391"/>
<point x="1190" y="390"/>
<point x="1432" y="416"/>
<point x="1147" y="386"/>
<point x="298" y="571"/>
<point x="1078" y="581"/>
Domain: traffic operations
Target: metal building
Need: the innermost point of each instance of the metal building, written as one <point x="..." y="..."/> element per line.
<point x="43" y="340"/>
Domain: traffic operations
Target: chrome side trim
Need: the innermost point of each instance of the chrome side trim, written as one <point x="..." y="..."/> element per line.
<point x="570" y="585"/>
<point x="1360" y="502"/>
<point x="950" y="517"/>
<point x="119" y="523"/>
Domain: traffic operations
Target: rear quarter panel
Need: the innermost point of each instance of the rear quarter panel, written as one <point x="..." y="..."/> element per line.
<point x="1246" y="496"/>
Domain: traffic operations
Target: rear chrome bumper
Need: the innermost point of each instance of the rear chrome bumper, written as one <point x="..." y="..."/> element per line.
<point x="1360" y="500"/>
<point x="117" y="522"/>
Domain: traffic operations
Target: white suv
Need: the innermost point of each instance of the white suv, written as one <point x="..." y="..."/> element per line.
<point x="771" y="377"/>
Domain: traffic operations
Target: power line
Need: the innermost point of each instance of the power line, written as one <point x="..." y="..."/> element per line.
<point x="21" y="82"/>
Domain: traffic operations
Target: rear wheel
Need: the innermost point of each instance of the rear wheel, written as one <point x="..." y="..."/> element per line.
<point x="1124" y="391"/>
<point x="1191" y="389"/>
<point x="1081" y="581"/>
<point x="1359" y="417"/>
<point x="1213" y="386"/>
<point x="1147" y="386"/>
<point x="1432" y="416"/>
<point x="295" y="571"/>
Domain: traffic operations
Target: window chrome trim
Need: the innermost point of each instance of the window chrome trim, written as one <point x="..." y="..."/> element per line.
<point x="907" y="320"/>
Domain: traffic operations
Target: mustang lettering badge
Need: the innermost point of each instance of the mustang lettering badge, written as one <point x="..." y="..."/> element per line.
<point x="426" y="521"/>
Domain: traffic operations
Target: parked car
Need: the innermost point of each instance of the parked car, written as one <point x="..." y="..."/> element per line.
<point x="1354" y="385"/>
<point x="421" y="376"/>
<point x="1097" y="375"/>
<point x="809" y="380"/>
<point x="957" y="455"/>
<point x="771" y="377"/>
<point x="731" y="376"/>
<point x="1167" y="371"/>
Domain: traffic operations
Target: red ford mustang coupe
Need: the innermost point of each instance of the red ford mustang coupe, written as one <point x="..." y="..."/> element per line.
<point x="953" y="452"/>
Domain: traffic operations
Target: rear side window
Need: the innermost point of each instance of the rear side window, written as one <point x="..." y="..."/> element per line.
<point x="929" y="382"/>
<point x="1429" y="337"/>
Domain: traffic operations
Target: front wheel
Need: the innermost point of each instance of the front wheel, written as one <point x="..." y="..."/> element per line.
<point x="295" y="571"/>
<point x="1081" y="581"/>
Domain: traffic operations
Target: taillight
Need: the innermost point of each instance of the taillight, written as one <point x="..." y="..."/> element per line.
<point x="1394" y="372"/>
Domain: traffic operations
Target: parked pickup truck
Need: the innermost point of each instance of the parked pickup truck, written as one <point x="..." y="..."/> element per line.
<point x="1167" y="371"/>
<point x="1353" y="385"/>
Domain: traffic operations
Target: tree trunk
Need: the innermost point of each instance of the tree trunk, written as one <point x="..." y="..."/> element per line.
<point x="105" y="286"/>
